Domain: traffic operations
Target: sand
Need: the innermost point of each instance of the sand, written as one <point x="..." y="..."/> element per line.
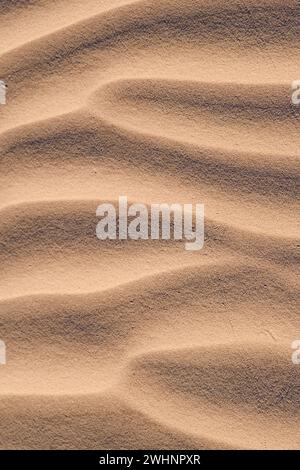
<point x="130" y="344"/>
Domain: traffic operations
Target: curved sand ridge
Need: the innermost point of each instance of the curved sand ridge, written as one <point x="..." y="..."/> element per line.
<point x="141" y="344"/>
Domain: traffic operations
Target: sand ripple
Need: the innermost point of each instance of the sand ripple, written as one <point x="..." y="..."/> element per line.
<point x="142" y="344"/>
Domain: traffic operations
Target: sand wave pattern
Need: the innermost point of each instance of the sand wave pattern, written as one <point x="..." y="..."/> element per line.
<point x="142" y="344"/>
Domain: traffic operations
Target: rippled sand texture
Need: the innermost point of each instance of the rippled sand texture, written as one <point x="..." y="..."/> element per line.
<point x="143" y="344"/>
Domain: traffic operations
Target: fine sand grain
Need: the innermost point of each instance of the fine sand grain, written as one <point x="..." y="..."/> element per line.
<point x="141" y="344"/>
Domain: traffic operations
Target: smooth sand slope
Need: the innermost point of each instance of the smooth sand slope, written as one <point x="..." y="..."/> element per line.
<point x="138" y="344"/>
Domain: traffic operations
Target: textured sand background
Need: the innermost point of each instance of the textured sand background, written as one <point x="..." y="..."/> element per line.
<point x="143" y="344"/>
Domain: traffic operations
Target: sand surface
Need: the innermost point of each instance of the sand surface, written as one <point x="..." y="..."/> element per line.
<point x="143" y="344"/>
